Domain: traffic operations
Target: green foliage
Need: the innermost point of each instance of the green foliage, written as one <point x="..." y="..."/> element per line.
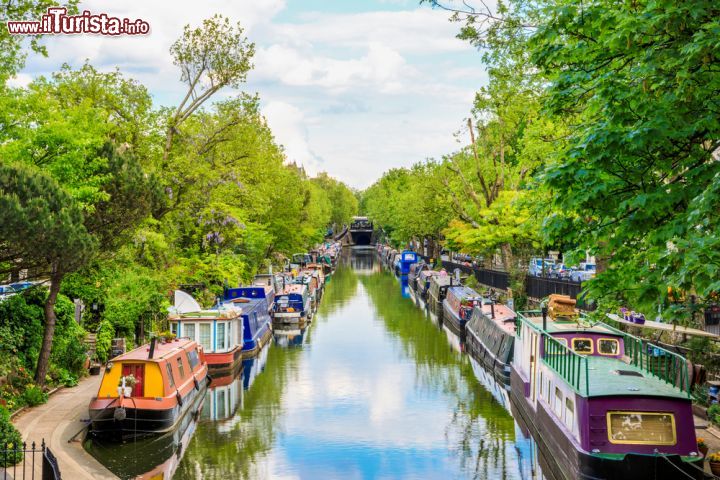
<point x="103" y="340"/>
<point x="34" y="396"/>
<point x="10" y="439"/>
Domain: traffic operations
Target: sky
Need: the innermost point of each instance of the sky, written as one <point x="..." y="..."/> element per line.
<point x="350" y="87"/>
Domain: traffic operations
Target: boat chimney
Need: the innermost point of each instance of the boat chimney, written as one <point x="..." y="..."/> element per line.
<point x="492" y="310"/>
<point x="544" y="316"/>
<point x="152" y="347"/>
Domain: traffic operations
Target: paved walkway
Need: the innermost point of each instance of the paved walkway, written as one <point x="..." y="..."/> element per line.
<point x="57" y="421"/>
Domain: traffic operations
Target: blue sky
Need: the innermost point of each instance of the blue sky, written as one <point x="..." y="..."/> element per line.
<point x="351" y="87"/>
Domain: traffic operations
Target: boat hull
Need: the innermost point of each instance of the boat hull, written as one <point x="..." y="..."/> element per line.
<point x="139" y="420"/>
<point x="571" y="463"/>
<point x="478" y="350"/>
<point x="225" y="361"/>
<point x="252" y="348"/>
<point x="453" y="322"/>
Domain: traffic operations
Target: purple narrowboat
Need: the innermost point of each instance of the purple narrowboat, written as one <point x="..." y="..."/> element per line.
<point x="601" y="403"/>
<point x="458" y="307"/>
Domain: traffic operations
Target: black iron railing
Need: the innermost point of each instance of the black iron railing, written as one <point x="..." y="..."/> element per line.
<point x="535" y="287"/>
<point x="26" y="462"/>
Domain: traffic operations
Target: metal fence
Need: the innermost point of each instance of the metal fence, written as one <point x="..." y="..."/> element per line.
<point x="536" y="287"/>
<point x="26" y="462"/>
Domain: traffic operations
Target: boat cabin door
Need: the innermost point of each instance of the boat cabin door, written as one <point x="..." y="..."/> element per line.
<point x="137" y="370"/>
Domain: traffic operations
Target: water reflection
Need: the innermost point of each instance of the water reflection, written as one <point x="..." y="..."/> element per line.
<point x="371" y="389"/>
<point x="144" y="458"/>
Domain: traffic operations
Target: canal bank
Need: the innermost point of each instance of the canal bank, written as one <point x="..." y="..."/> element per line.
<point x="59" y="420"/>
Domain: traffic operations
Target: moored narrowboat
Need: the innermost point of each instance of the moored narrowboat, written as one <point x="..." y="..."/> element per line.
<point x="271" y="283"/>
<point x="490" y="338"/>
<point x="257" y="324"/>
<point x="457" y="308"/>
<point x="219" y="331"/>
<point x="407" y="258"/>
<point x="149" y="389"/>
<point x="600" y="403"/>
<point x="292" y="307"/>
<point x="423" y="282"/>
<point x="437" y="291"/>
<point x="414" y="272"/>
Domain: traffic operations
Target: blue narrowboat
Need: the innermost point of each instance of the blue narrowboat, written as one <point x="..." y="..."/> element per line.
<point x="293" y="306"/>
<point x="407" y="258"/>
<point x="253" y="303"/>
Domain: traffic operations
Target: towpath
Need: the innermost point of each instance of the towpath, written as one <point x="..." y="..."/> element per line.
<point x="57" y="421"/>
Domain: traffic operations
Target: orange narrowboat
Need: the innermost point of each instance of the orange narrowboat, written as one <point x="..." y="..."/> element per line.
<point x="149" y="389"/>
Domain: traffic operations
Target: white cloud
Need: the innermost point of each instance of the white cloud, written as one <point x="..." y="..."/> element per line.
<point x="349" y="93"/>
<point x="380" y="67"/>
<point x="20" y="80"/>
<point x="288" y="125"/>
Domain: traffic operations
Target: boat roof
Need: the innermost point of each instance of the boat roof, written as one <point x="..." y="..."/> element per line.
<point x="162" y="350"/>
<point x="562" y="326"/>
<point x="298" y="288"/>
<point x="441" y="279"/>
<point x="606" y="381"/>
<point x="504" y="316"/>
<point x="463" y="291"/>
<point x="214" y="314"/>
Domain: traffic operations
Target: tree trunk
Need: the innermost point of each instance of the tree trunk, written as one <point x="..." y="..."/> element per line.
<point x="50" y="320"/>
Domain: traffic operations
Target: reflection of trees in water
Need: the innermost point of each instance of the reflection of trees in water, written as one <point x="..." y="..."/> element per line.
<point x="480" y="433"/>
<point x="216" y="453"/>
<point x="341" y="289"/>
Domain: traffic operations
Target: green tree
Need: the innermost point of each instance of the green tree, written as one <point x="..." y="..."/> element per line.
<point x="42" y="229"/>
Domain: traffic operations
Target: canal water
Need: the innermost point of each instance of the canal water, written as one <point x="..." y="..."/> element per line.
<point x="373" y="389"/>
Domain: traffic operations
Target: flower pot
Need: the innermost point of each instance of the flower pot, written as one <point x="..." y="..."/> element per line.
<point x="703" y="449"/>
<point x="715" y="468"/>
<point x="126" y="392"/>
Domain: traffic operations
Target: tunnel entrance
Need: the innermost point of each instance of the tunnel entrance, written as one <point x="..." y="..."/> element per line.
<point x="361" y="238"/>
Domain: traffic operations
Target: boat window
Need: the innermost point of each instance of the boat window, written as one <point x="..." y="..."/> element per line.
<point x="641" y="428"/>
<point x="220" y="336"/>
<point x="193" y="359"/>
<point x="558" y="402"/>
<point x="582" y="345"/>
<point x="171" y="379"/>
<point x="569" y="413"/>
<point x="189" y="330"/>
<point x="562" y="341"/>
<point x="608" y="346"/>
<point x="181" y="367"/>
<point x="173" y="328"/>
<point x="541" y="384"/>
<point x="206" y="336"/>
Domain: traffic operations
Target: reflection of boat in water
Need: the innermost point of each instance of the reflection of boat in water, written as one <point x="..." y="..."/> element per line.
<point x="290" y="337"/>
<point x="456" y="342"/>
<point x="222" y="400"/>
<point x="131" y="459"/>
<point x="497" y="390"/>
<point x="252" y="367"/>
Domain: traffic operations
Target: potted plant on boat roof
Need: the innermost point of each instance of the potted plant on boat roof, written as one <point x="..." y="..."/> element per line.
<point x="126" y="385"/>
<point x="702" y="446"/>
<point x="167" y="336"/>
<point x="714" y="461"/>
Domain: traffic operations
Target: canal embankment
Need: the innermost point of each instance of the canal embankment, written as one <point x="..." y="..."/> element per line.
<point x="60" y="423"/>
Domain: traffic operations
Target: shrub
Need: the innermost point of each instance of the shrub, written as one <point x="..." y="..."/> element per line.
<point x="103" y="341"/>
<point x="10" y="439"/>
<point x="34" y="395"/>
